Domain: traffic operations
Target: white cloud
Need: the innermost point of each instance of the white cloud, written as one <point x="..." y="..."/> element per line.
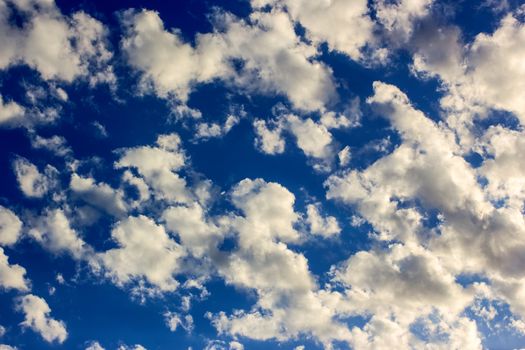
<point x="175" y="320"/>
<point x="210" y="130"/>
<point x="144" y="251"/>
<point x="10" y="227"/>
<point x="55" y="144"/>
<point x="321" y="17"/>
<point x="10" y="112"/>
<point x="7" y="347"/>
<point x="398" y="17"/>
<point x="55" y="233"/>
<point x="37" y="317"/>
<point x="268" y="140"/>
<point x="273" y="58"/>
<point x="99" y="195"/>
<point x="12" y="276"/>
<point x="288" y="302"/>
<point x="344" y="156"/>
<point x="311" y="137"/>
<point x="57" y="46"/>
<point x="32" y="182"/>
<point x="95" y="346"/>
<point x="319" y="225"/>
<point x="472" y="236"/>
<point x="158" y="166"/>
<point x="235" y="345"/>
<point x="467" y="72"/>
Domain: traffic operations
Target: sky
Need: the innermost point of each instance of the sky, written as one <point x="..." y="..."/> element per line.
<point x="262" y="174"/>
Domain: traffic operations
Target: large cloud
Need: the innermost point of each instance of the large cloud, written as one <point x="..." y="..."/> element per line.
<point x="273" y="59"/>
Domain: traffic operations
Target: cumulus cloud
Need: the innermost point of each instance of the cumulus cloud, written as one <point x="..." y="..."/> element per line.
<point x="287" y="293"/>
<point x="54" y="144"/>
<point x="57" y="46"/>
<point x="211" y="130"/>
<point x="145" y="251"/>
<point x="99" y="195"/>
<point x="472" y="235"/>
<point x="31" y="181"/>
<point x="10" y="227"/>
<point x="320" y="18"/>
<point x="12" y="276"/>
<point x="10" y="112"/>
<point x="95" y="346"/>
<point x="158" y="166"/>
<point x="313" y="138"/>
<point x="319" y="225"/>
<point x="37" y="318"/>
<point x="54" y="232"/>
<point x="466" y="70"/>
<point x="274" y="60"/>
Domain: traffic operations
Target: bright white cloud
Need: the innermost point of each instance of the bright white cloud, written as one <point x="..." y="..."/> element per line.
<point x="321" y="17"/>
<point x="57" y="46"/>
<point x="319" y="225"/>
<point x="54" y="232"/>
<point x="144" y="251"/>
<point x="273" y="58"/>
<point x="158" y="166"/>
<point x="32" y="182"/>
<point x="10" y="112"/>
<point x="95" y="346"/>
<point x="37" y="318"/>
<point x="99" y="195"/>
<point x="12" y="276"/>
<point x="10" y="227"/>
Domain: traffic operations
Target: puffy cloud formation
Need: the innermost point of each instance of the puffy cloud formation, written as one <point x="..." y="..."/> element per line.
<point x="57" y="46"/>
<point x="158" y="166"/>
<point x="144" y="251"/>
<point x="37" y="318"/>
<point x="99" y="195"/>
<point x="319" y="225"/>
<point x="53" y="230"/>
<point x="10" y="112"/>
<point x="423" y="246"/>
<point x="32" y="182"/>
<point x="10" y="227"/>
<point x="12" y="276"/>
<point x="321" y="17"/>
<point x="464" y="240"/>
<point x="466" y="71"/>
<point x="273" y="59"/>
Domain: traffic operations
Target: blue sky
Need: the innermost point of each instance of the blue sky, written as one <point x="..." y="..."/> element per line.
<point x="262" y="174"/>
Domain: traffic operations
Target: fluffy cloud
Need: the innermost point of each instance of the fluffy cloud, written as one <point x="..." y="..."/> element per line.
<point x="144" y="251"/>
<point x="54" y="144"/>
<point x="99" y="195"/>
<point x="398" y="17"/>
<point x="311" y="137"/>
<point x="287" y="293"/>
<point x="55" y="233"/>
<point x="10" y="227"/>
<point x="467" y="71"/>
<point x="319" y="225"/>
<point x="273" y="58"/>
<point x="57" y="46"/>
<point x="12" y="276"/>
<point x="321" y="17"/>
<point x="37" y="317"/>
<point x="10" y="112"/>
<point x="395" y="194"/>
<point x="210" y="130"/>
<point x="157" y="166"/>
<point x="32" y="182"/>
<point x="95" y="346"/>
